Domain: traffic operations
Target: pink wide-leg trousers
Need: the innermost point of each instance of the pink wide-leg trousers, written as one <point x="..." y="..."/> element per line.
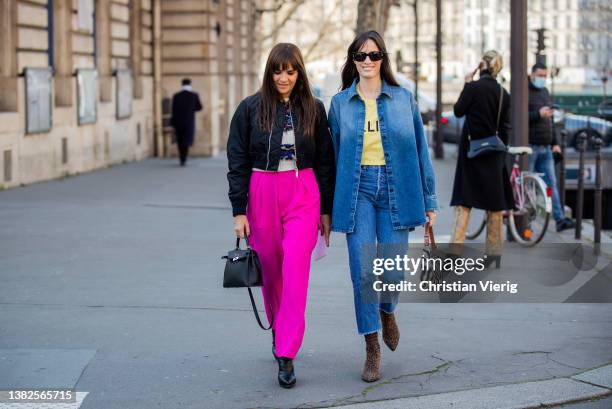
<point x="283" y="213"/>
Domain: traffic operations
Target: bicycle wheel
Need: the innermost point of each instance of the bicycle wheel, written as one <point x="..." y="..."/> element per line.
<point x="478" y="221"/>
<point x="529" y="224"/>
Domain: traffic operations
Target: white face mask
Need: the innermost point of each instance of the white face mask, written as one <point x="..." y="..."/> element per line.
<point x="539" y="82"/>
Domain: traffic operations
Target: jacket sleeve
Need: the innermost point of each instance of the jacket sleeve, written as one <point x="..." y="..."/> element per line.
<point x="554" y="141"/>
<point x="428" y="178"/>
<point x="534" y="116"/>
<point x="239" y="160"/>
<point x="198" y="103"/>
<point x="465" y="99"/>
<point x="334" y="127"/>
<point x="505" y="128"/>
<point x="324" y="163"/>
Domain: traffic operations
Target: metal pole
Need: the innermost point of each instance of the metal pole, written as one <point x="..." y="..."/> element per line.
<point x="582" y="136"/>
<point x="561" y="184"/>
<point x="598" y="192"/>
<point x="438" y="148"/>
<point x="518" y="72"/>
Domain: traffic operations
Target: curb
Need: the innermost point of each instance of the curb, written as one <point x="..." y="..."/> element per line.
<point x="590" y="384"/>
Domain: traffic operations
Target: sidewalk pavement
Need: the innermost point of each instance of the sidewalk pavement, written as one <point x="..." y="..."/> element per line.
<point x="111" y="284"/>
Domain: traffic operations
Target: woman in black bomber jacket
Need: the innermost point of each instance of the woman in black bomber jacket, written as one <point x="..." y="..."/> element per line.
<point x="281" y="183"/>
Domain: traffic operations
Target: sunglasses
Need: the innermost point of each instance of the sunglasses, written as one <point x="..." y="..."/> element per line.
<point x="374" y="56"/>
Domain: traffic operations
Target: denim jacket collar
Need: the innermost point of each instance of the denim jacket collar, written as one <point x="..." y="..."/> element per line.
<point x="386" y="89"/>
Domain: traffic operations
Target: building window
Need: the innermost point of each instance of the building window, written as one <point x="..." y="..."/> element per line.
<point x="85" y="15"/>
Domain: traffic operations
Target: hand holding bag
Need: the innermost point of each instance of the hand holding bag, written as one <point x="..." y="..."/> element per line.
<point x="430" y="250"/>
<point x="489" y="144"/>
<point x="243" y="269"/>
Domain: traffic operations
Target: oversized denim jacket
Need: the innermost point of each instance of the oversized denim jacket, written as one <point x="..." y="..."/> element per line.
<point x="410" y="174"/>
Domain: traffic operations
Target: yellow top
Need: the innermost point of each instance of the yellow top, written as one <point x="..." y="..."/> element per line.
<point x="373" y="153"/>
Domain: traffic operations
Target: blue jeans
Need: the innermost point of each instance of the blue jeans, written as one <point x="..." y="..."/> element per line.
<point x="373" y="236"/>
<point x="542" y="161"/>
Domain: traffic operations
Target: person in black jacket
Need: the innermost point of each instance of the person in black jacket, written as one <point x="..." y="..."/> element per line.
<point x="483" y="182"/>
<point x="543" y="140"/>
<point x="281" y="183"/>
<point x="185" y="104"/>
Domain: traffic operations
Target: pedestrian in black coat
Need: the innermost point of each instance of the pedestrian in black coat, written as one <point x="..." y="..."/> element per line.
<point x="185" y="104"/>
<point x="482" y="182"/>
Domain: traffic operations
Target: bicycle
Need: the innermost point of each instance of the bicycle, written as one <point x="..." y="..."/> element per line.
<point x="527" y="224"/>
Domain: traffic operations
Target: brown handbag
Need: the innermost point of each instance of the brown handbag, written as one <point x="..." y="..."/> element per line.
<point x="430" y="250"/>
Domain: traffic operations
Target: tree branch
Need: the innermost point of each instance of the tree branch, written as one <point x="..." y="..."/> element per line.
<point x="326" y="28"/>
<point x="290" y="12"/>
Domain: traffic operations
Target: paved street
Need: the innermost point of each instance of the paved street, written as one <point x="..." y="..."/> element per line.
<point x="111" y="283"/>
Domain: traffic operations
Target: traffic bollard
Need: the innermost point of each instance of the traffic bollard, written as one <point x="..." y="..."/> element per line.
<point x="581" y="141"/>
<point x="597" y="219"/>
<point x="561" y="185"/>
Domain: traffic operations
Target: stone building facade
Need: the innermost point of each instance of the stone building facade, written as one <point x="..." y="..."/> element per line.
<point x="214" y="44"/>
<point x="159" y="41"/>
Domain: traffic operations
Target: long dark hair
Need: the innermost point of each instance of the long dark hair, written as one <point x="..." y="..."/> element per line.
<point x="301" y="98"/>
<point x="349" y="70"/>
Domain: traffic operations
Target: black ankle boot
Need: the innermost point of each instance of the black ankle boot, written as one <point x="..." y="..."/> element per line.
<point x="286" y="376"/>
<point x="274" y="345"/>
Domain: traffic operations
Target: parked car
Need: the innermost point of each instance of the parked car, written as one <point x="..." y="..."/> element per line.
<point x="605" y="109"/>
<point x="451" y="127"/>
<point x="593" y="126"/>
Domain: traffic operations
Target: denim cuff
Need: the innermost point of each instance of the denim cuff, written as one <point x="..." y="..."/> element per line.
<point x="431" y="202"/>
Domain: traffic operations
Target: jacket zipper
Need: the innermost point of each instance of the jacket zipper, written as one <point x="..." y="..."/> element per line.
<point x="294" y="142"/>
<point x="269" y="143"/>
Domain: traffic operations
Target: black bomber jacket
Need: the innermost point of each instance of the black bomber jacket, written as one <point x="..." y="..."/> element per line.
<point x="248" y="147"/>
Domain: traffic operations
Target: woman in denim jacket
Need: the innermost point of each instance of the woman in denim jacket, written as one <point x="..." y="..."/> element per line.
<point x="384" y="181"/>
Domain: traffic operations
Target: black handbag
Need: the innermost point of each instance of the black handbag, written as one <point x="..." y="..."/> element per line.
<point x="243" y="269"/>
<point x="489" y="144"/>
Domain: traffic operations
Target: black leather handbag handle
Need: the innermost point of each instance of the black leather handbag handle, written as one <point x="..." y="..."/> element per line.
<point x="256" y="313"/>
<point x="246" y="239"/>
<point x="251" y="293"/>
